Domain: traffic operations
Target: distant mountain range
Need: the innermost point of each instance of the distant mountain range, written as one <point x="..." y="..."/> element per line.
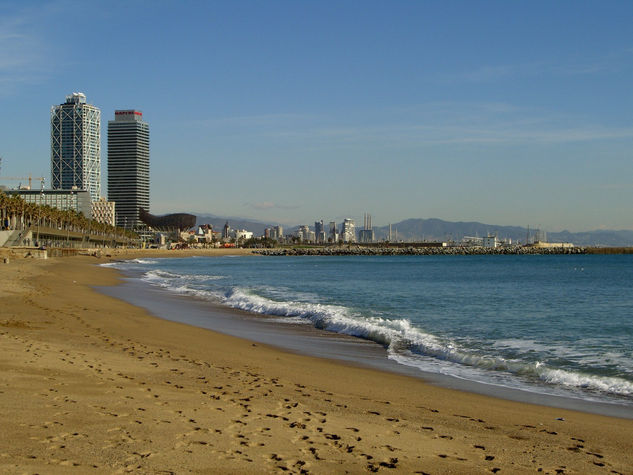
<point x="218" y="222"/>
<point x="439" y="230"/>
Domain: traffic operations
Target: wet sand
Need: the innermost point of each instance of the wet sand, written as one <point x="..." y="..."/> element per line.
<point x="90" y="383"/>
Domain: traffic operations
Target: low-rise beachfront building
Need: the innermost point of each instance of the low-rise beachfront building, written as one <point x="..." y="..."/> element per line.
<point x="76" y="200"/>
<point x="205" y="233"/>
<point x="242" y="234"/>
<point x="104" y="211"/>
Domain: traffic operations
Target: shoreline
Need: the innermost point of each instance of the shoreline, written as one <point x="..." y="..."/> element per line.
<point x="92" y="382"/>
<point x="308" y="340"/>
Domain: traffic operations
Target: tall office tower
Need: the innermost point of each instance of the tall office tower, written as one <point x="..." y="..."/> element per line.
<point x="76" y="146"/>
<point x="128" y="166"/>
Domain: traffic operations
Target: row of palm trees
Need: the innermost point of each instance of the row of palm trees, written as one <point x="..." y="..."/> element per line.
<point x="15" y="213"/>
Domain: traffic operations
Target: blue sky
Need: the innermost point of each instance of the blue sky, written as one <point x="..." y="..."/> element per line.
<point x="505" y="112"/>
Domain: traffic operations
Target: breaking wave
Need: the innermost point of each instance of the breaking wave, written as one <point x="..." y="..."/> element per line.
<point x="405" y="343"/>
<point x="400" y="338"/>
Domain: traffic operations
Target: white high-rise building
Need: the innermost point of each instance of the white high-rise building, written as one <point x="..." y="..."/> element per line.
<point x="348" y="230"/>
<point x="76" y="146"/>
<point x="128" y="166"/>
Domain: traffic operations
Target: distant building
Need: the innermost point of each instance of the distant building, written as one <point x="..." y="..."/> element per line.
<point x="491" y="241"/>
<point x="304" y="234"/>
<point x="333" y="235"/>
<point x="555" y="245"/>
<point x="128" y="166"/>
<point x="76" y="146"/>
<point x="540" y="236"/>
<point x="319" y="232"/>
<point x="76" y="200"/>
<point x="103" y="211"/>
<point x="226" y="230"/>
<point x="348" y="230"/>
<point x="275" y="232"/>
<point x="205" y="233"/>
<point x="366" y="235"/>
<point x="171" y="222"/>
<point x="241" y="234"/>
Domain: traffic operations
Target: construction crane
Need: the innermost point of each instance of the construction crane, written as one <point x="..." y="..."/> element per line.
<point x="22" y="178"/>
<point x="25" y="178"/>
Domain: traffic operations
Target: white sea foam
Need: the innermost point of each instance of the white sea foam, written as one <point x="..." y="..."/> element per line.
<point x="399" y="336"/>
<point x="405" y="342"/>
<point x="168" y="279"/>
<point x="109" y="264"/>
<point x="160" y="275"/>
<point x="583" y="355"/>
<point x="144" y="261"/>
<point x="183" y="284"/>
<point x="604" y="384"/>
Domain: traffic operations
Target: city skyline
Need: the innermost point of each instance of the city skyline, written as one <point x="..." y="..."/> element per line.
<point x="508" y="114"/>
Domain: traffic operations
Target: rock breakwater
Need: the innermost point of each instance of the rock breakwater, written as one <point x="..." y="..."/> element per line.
<point x="416" y="251"/>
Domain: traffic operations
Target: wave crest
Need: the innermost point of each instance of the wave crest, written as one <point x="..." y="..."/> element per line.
<point x="399" y="336"/>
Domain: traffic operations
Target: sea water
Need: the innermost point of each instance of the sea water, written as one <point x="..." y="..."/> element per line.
<point x="556" y="325"/>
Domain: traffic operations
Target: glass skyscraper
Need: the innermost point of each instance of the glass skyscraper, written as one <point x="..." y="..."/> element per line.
<point x="128" y="166"/>
<point x="76" y="146"/>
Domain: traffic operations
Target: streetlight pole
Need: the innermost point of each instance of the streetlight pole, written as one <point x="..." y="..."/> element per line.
<point x="39" y="216"/>
<point x="72" y="204"/>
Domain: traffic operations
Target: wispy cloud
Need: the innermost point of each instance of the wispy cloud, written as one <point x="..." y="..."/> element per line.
<point x="493" y="123"/>
<point x="262" y="120"/>
<point x="609" y="62"/>
<point x="22" y="50"/>
<point x="431" y="124"/>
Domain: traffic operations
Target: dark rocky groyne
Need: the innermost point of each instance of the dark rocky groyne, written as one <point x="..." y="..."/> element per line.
<point x="416" y="251"/>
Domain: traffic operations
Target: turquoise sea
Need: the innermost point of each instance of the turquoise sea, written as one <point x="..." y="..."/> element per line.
<point x="555" y="325"/>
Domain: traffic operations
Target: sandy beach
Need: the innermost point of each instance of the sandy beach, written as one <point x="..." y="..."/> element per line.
<point x="91" y="384"/>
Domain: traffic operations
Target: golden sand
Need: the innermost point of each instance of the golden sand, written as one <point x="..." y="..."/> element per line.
<point x="91" y="384"/>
